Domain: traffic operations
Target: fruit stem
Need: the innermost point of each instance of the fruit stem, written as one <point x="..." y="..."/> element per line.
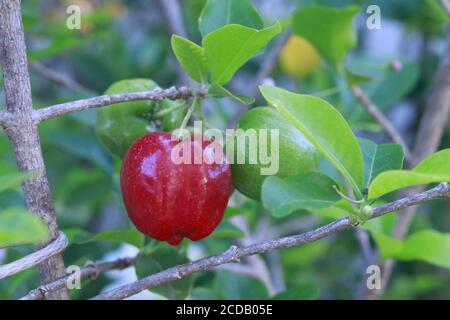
<point x="191" y="109"/>
<point x="162" y="113"/>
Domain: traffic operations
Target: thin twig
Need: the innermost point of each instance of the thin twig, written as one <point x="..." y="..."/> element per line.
<point x="90" y="271"/>
<point x="157" y="95"/>
<point x="384" y="122"/>
<point x="58" y="78"/>
<point x="235" y="254"/>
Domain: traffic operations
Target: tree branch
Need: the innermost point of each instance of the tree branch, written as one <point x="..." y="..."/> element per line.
<point x="90" y="271"/>
<point x="234" y="254"/>
<point x="157" y="95"/>
<point x="384" y="122"/>
<point x="23" y="133"/>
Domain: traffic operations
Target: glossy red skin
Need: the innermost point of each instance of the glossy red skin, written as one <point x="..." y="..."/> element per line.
<point x="167" y="201"/>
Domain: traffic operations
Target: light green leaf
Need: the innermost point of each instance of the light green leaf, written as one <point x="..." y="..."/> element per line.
<point x="131" y="236"/>
<point x="218" y="13"/>
<point x="434" y="168"/>
<point x="325" y="127"/>
<point x="227" y="230"/>
<point x="160" y="258"/>
<point x="380" y="158"/>
<point x="312" y="191"/>
<point x="216" y="90"/>
<point x="13" y="180"/>
<point x="19" y="227"/>
<point x="191" y="57"/>
<point x="330" y="30"/>
<point x="229" y="47"/>
<point x="427" y="245"/>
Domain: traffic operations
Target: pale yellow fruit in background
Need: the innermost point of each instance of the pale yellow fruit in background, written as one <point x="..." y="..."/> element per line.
<point x="298" y="57"/>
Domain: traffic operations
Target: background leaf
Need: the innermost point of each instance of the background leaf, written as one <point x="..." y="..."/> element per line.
<point x="330" y="30"/>
<point x="234" y="286"/>
<point x="312" y="191"/>
<point x="19" y="227"/>
<point x="325" y="127"/>
<point x="306" y="291"/>
<point x="380" y="158"/>
<point x="191" y="57"/>
<point x="434" y="168"/>
<point x="13" y="180"/>
<point x="131" y="236"/>
<point x="229" y="47"/>
<point x="217" y="13"/>
<point x="160" y="258"/>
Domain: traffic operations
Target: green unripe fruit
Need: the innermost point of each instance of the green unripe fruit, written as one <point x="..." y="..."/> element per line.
<point x="296" y="156"/>
<point x="173" y="119"/>
<point x="119" y="125"/>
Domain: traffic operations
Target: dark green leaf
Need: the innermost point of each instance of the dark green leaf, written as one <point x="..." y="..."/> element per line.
<point x="312" y="191"/>
<point x="160" y="258"/>
<point x="218" y="13"/>
<point x="380" y="158"/>
<point x="307" y="291"/>
<point x="234" y="286"/>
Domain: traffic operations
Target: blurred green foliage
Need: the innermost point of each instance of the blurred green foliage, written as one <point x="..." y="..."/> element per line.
<point x="130" y="39"/>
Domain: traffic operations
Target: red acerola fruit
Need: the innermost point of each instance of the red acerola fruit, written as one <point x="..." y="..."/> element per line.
<point x="168" y="200"/>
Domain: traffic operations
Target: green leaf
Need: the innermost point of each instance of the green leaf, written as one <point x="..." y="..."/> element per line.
<point x="387" y="85"/>
<point x="434" y="168"/>
<point x="13" y="180"/>
<point x="160" y="258"/>
<point x="306" y="291"/>
<point x="380" y="158"/>
<point x="218" y="13"/>
<point x="218" y="91"/>
<point x="19" y="227"/>
<point x="312" y="191"/>
<point x="131" y="236"/>
<point x="426" y="245"/>
<point x="200" y="293"/>
<point x="227" y="230"/>
<point x="191" y="57"/>
<point x="330" y="30"/>
<point x="229" y="47"/>
<point x="234" y="286"/>
<point x="325" y="127"/>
